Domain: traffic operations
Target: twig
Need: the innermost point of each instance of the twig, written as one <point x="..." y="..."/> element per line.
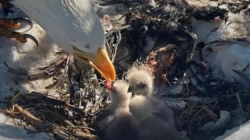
<point x="27" y="114"/>
<point x="86" y="135"/>
<point x="81" y="127"/>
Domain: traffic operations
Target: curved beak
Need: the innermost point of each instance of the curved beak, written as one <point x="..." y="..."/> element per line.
<point x="100" y="61"/>
<point x="132" y="90"/>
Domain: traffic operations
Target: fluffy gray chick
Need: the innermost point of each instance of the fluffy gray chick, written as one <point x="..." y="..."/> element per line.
<point x="121" y="126"/>
<point x="141" y="83"/>
<point x="149" y="126"/>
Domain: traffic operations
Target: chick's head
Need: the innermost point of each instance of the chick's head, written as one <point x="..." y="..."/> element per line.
<point x="140" y="82"/>
<point x="119" y="93"/>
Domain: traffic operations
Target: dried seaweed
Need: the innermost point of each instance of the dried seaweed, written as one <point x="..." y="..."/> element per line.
<point x="51" y="115"/>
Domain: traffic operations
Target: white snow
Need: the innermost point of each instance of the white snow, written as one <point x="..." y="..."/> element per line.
<point x="229" y="56"/>
<point x="235" y="27"/>
<point x="26" y="56"/>
<point x="8" y="131"/>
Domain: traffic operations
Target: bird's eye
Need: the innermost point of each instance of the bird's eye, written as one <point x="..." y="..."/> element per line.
<point x="76" y="49"/>
<point x="126" y="80"/>
<point x="141" y="85"/>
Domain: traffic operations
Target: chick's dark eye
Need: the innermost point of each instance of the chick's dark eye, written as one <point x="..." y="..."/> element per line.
<point x="130" y="89"/>
<point x="126" y="80"/>
<point x="141" y="85"/>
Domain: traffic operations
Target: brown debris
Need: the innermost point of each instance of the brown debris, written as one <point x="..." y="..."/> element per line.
<point x="50" y="115"/>
<point x="158" y="61"/>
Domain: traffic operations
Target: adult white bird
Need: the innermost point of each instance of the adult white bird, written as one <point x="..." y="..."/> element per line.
<point x="74" y="26"/>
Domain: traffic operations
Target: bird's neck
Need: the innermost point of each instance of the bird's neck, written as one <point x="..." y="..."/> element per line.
<point x="117" y="104"/>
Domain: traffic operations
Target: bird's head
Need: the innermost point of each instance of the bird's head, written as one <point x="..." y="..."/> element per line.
<point x="118" y="92"/>
<point x="75" y="27"/>
<point x="140" y="82"/>
<point x="100" y="61"/>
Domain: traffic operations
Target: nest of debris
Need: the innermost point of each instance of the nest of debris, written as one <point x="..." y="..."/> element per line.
<point x="204" y="107"/>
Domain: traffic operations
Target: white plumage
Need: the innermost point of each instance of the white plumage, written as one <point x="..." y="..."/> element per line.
<point x="141" y="84"/>
<point x="122" y="126"/>
<point x="68" y="23"/>
<point x="74" y="26"/>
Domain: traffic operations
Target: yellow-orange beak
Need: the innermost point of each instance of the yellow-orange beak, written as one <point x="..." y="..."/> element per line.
<point x="101" y="62"/>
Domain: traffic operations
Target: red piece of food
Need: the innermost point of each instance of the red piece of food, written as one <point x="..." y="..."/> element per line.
<point x="108" y="85"/>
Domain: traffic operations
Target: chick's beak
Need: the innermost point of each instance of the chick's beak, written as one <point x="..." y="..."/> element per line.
<point x="101" y="62"/>
<point x="130" y="89"/>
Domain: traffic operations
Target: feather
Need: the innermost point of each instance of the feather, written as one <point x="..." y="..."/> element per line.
<point x="68" y="23"/>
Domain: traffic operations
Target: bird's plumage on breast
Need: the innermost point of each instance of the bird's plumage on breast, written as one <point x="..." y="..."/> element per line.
<point x="122" y="129"/>
<point x="153" y="128"/>
<point x="68" y="23"/>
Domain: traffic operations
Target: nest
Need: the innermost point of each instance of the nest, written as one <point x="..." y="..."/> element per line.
<point x="204" y="107"/>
